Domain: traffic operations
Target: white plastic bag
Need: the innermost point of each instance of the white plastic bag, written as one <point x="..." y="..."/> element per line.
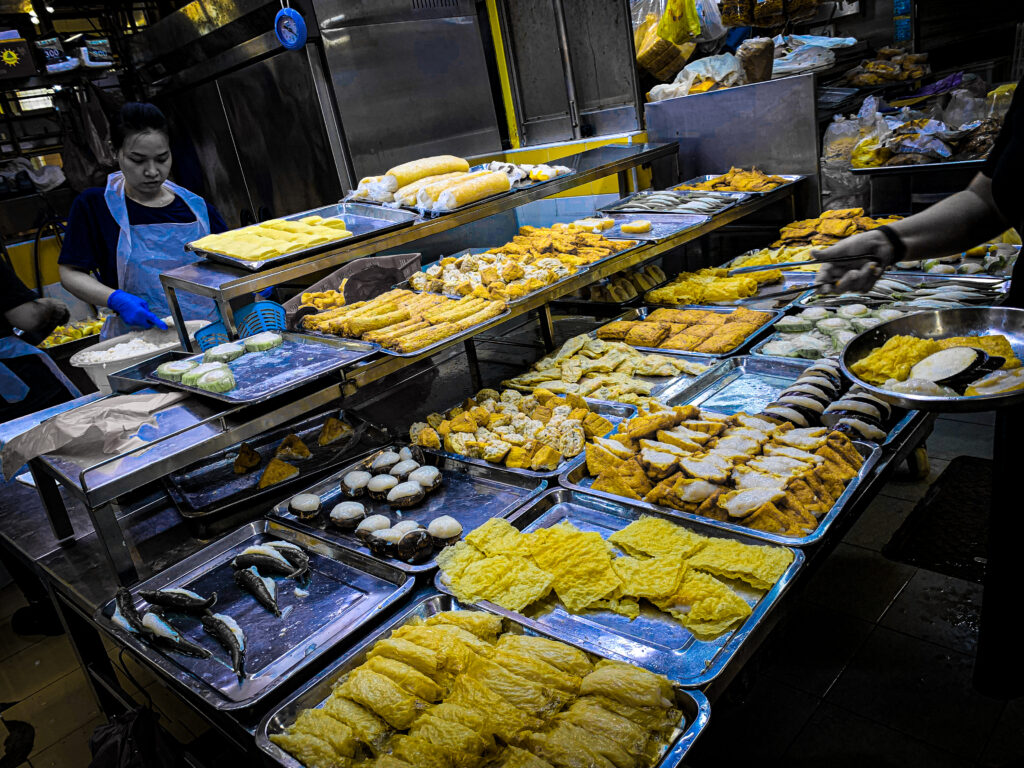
<point x="711" y="27"/>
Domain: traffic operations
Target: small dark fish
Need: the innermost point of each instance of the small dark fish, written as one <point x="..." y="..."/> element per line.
<point x="127" y="611"/>
<point x="158" y="630"/>
<point x="266" y="560"/>
<point x="184" y="600"/>
<point x="260" y="587"/>
<point x="295" y="555"/>
<point x="225" y="630"/>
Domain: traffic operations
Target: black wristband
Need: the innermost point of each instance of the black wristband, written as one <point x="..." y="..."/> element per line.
<point x="899" y="248"/>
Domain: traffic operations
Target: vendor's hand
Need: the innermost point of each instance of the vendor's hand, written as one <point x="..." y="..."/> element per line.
<point x="134" y="311"/>
<point x="856" y="275"/>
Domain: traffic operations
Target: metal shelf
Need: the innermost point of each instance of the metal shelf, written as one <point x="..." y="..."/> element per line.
<point x="223" y="283"/>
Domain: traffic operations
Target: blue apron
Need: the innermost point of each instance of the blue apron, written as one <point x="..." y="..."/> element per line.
<point x="151" y="249"/>
<point x="12" y="388"/>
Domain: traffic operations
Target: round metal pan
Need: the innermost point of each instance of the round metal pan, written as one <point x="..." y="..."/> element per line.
<point x="942" y="324"/>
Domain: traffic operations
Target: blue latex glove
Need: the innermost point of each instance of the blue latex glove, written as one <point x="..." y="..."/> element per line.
<point x="134" y="311"/>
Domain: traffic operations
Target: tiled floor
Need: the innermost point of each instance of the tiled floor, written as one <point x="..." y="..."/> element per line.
<point x="872" y="666"/>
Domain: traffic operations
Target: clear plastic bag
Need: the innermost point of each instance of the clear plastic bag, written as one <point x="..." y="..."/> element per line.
<point x="963" y="108"/>
<point x="711" y="27"/>
<point x="840" y="139"/>
<point x="737" y="13"/>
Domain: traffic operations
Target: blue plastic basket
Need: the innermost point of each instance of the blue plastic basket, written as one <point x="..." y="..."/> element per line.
<point x="252" y="319"/>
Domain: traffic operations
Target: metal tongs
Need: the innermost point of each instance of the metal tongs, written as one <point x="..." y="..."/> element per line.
<point x="821" y="287"/>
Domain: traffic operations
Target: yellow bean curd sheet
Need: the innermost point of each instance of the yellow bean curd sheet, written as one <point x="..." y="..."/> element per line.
<point x="895" y="358"/>
<point x="651" y="561"/>
<point x="455" y="691"/>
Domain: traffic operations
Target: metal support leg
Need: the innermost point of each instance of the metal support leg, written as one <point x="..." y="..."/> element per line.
<point x="53" y="503"/>
<point x="87" y="645"/>
<point x="228" y="317"/>
<point x="623" y="183"/>
<point x="179" y="320"/>
<point x="114" y="541"/>
<point x="547" y="327"/>
<point x="474" y="365"/>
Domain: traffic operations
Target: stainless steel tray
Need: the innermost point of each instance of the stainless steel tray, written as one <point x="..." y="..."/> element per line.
<point x="640" y="313"/>
<point x="748" y="384"/>
<point x="347" y="590"/>
<point x="691" y="703"/>
<point x="362" y="221"/>
<point x="614" y="412"/>
<point x="790" y="178"/>
<point x="763" y="298"/>
<point x="970" y="321"/>
<point x="735" y="197"/>
<point x="902" y="170"/>
<point x="471" y="494"/>
<point x="1004" y="273"/>
<point x="211" y="487"/>
<point x="260" y="376"/>
<point x="654" y="640"/>
<point x="575" y="478"/>
<point x="999" y="285"/>
<point x="664" y="226"/>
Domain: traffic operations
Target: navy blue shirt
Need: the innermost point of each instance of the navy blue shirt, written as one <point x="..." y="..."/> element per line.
<point x="90" y="242"/>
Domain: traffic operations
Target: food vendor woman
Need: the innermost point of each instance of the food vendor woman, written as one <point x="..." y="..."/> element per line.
<point x="119" y="239"/>
<point x="993" y="201"/>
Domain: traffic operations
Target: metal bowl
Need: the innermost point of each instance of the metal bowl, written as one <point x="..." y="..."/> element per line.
<point x="942" y="324"/>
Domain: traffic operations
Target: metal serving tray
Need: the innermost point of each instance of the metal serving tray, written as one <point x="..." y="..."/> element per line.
<point x="347" y="590"/>
<point x="735" y="197"/>
<point x="576" y="478"/>
<point x="471" y="494"/>
<point x="211" y="487"/>
<point x="641" y="313"/>
<point x="362" y="221"/>
<point x="691" y="703"/>
<point x="763" y="298"/>
<point x="666" y="225"/>
<point x="614" y="412"/>
<point x="260" y="376"/>
<point x="996" y="283"/>
<point x="1004" y="273"/>
<point x="790" y="178"/>
<point x="654" y="640"/>
<point x="748" y="384"/>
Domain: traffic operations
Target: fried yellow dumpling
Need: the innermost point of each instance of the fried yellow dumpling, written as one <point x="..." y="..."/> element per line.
<point x="309" y="750"/>
<point x="416" y="656"/>
<point x="366" y="726"/>
<point x="486" y="626"/>
<point x="411" y="680"/>
<point x="628" y="684"/>
<point x="564" y="657"/>
<point x="386" y="698"/>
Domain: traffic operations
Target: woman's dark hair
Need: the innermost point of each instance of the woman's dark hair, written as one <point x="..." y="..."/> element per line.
<point x="136" y="117"/>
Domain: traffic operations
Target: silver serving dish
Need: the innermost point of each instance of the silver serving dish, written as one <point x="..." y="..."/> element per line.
<point x="576" y="478"/>
<point x="663" y="226"/>
<point x="654" y="640"/>
<point x="791" y="178"/>
<point x="942" y="324"/>
<point x="614" y="412"/>
<point x="347" y="589"/>
<point x="362" y="221"/>
<point x="259" y="376"/>
<point x="471" y="494"/>
<point x="641" y="313"/>
<point x="691" y="703"/>
<point x="731" y="198"/>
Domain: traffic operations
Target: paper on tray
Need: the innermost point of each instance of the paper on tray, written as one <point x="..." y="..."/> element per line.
<point x="105" y="427"/>
<point x="368" y="277"/>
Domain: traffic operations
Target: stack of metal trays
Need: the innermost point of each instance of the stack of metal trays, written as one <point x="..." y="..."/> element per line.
<point x="748" y="384"/>
<point x="211" y="489"/>
<point x="361" y="220"/>
<point x="345" y="591"/>
<point x="920" y="292"/>
<point x="654" y="640"/>
<point x="692" y="704"/>
<point x="469" y="493"/>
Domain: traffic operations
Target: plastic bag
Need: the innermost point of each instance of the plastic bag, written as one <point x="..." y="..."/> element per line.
<point x="963" y="108"/>
<point x="756" y="58"/>
<point x="769" y="13"/>
<point x="700" y="76"/>
<point x="661" y="58"/>
<point x="999" y="100"/>
<point x="680" y="23"/>
<point x="711" y="27"/>
<point x="840" y="139"/>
